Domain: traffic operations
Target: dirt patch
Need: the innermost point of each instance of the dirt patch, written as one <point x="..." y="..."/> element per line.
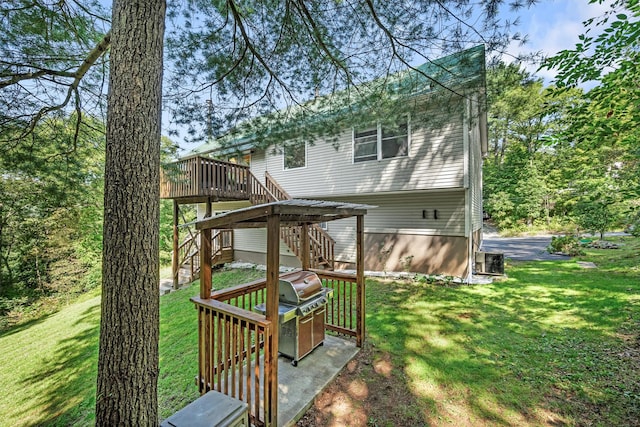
<point x="371" y="391"/>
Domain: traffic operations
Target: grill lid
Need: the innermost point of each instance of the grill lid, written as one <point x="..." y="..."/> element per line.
<point x="299" y="286"/>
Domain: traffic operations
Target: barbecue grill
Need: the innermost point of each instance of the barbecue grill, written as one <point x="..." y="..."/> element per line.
<point x="301" y="308"/>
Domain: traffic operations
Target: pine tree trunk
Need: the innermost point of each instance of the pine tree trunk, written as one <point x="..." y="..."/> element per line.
<point x="128" y="358"/>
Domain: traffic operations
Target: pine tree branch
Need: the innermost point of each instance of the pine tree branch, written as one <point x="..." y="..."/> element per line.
<point x="393" y="41"/>
<point x="72" y="88"/>
<point x="77" y="75"/>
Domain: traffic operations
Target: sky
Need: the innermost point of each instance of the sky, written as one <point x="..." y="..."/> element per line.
<point x="550" y="26"/>
<point x="553" y="25"/>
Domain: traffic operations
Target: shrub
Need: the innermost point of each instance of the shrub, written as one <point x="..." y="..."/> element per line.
<point x="569" y="245"/>
<point x="633" y="224"/>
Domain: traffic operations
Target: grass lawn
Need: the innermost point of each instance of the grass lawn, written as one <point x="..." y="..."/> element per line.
<point x="49" y="366"/>
<point x="554" y="344"/>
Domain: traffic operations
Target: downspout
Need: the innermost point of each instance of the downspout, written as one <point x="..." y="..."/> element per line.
<point x="467" y="196"/>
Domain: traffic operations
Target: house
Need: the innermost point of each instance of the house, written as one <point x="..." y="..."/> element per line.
<point x="423" y="171"/>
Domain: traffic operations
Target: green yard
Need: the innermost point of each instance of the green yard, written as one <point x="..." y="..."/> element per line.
<point x="553" y="344"/>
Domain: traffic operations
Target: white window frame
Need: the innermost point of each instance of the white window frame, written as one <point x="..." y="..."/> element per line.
<point x="379" y="141"/>
<point x="284" y="156"/>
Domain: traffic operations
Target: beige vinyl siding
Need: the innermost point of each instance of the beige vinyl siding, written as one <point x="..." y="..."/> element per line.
<point x="259" y="164"/>
<point x="476" y="188"/>
<point x="343" y="232"/>
<point x="255" y="240"/>
<point x="436" y="160"/>
<point x="229" y="206"/>
<point x="401" y="213"/>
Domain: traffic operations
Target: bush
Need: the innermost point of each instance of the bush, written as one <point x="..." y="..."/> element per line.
<point x="569" y="245"/>
<point x="633" y="224"/>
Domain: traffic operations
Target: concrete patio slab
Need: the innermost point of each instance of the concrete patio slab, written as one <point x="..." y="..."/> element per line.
<point x="298" y="386"/>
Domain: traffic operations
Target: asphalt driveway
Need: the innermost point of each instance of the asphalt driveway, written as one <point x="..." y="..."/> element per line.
<point x="521" y="248"/>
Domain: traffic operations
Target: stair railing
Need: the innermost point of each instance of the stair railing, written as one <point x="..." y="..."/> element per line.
<point x="321" y="243"/>
<point x="189" y="251"/>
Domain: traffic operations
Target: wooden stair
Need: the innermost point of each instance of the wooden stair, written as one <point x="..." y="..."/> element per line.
<point x="189" y="254"/>
<point x="321" y="244"/>
<point x="200" y="177"/>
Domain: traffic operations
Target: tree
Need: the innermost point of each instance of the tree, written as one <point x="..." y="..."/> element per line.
<point x="129" y="327"/>
<point x="50" y="207"/>
<point x="513" y="97"/>
<point x="273" y="59"/>
<point x="602" y="132"/>
<point x="51" y="57"/>
<point x="596" y="212"/>
<point x="252" y="57"/>
<point x="520" y="180"/>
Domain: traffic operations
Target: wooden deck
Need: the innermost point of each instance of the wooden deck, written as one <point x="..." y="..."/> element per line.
<point x="198" y="179"/>
<point x="204" y="180"/>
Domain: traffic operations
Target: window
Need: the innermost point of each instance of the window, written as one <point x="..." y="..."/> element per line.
<point x="365" y="145"/>
<point x="381" y="142"/>
<point x="324" y="225"/>
<point x="295" y="155"/>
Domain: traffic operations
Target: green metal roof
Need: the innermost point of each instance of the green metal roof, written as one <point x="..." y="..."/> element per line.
<point x="455" y="72"/>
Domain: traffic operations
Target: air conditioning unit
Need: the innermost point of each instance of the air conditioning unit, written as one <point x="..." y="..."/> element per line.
<point x="490" y="263"/>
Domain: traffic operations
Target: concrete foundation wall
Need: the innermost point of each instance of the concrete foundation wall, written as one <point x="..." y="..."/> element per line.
<point x="431" y="254"/>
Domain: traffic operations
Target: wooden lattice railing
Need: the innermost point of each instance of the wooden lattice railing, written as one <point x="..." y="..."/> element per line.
<point x="189" y="251"/>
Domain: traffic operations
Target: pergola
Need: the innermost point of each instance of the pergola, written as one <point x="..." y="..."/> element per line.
<point x="225" y="319"/>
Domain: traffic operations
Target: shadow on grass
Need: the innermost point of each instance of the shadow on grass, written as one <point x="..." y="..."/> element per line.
<point x="70" y="372"/>
<point x="541" y="348"/>
<point x="14" y="329"/>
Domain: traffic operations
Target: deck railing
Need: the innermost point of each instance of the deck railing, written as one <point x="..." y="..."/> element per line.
<point x="235" y="350"/>
<point x="274" y="188"/>
<point x="235" y="342"/>
<point x="204" y="177"/>
<point x="259" y="193"/>
<point x="236" y="346"/>
<point x="344" y="313"/>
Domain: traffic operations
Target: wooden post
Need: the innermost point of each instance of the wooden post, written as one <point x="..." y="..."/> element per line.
<point x="176" y="243"/>
<point x="273" y="277"/>
<point x="205" y="263"/>
<point x="208" y="211"/>
<point x="360" y="293"/>
<point x="305" y="247"/>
